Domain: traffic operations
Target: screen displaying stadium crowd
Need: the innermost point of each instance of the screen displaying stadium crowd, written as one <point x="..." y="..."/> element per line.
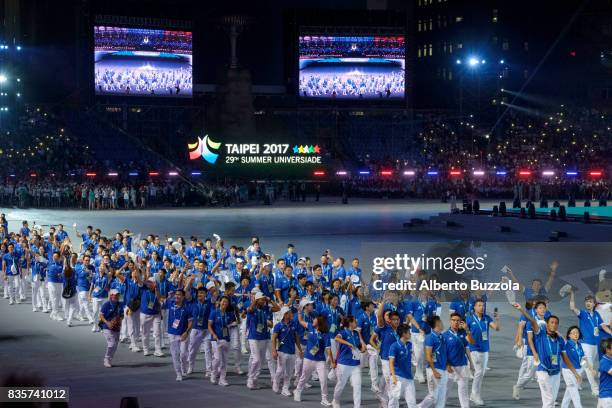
<point x="351" y="67"/>
<point x="144" y="62"/>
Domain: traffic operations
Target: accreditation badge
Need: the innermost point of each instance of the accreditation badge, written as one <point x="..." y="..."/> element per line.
<point x="554" y="360"/>
<point x="596" y="331"/>
<point x="176" y="323"/>
<point x="225" y="332"/>
<point x="485" y="336"/>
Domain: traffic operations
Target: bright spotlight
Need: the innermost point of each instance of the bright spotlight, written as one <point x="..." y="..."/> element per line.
<point x="19" y="48"/>
<point x="502" y="62"/>
<point x="473" y="61"/>
<point x="458" y="62"/>
<point x="483" y="61"/>
<point x="3" y="78"/>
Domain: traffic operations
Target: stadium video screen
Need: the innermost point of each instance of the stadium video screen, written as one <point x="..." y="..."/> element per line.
<point x="142" y="62"/>
<point x="341" y="67"/>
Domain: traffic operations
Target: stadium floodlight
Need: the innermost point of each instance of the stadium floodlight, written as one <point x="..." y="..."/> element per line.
<point x="502" y="61"/>
<point x="113" y="174"/>
<point x="458" y="62"/>
<point x="409" y="172"/>
<point x="455" y="172"/>
<point x="364" y="172"/>
<point x="19" y="48"/>
<point x="386" y="173"/>
<point x="3" y="78"/>
<point x="341" y="173"/>
<point x="473" y="61"/>
<point x="571" y="173"/>
<point x="548" y="173"/>
<point x="173" y="173"/>
<point x="501" y="173"/>
<point x="483" y="61"/>
<point x="479" y="172"/>
<point x="133" y="173"/>
<point x="196" y="173"/>
<point x="432" y="173"/>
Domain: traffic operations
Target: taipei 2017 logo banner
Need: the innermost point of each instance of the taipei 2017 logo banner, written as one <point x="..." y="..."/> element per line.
<point x="254" y="153"/>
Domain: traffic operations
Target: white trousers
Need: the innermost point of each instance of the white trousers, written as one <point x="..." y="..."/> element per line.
<point x="257" y="358"/>
<point x="13" y="287"/>
<point x="481" y="361"/>
<point x="385" y="382"/>
<point x="436" y="396"/>
<point x="220" y="356"/>
<point x="419" y="355"/>
<point x="178" y="350"/>
<point x="604" y="402"/>
<point x="112" y="340"/>
<point x="343" y="374"/>
<point x="55" y="296"/>
<point x="148" y="323"/>
<point x="132" y="325"/>
<point x="309" y="367"/>
<point x="235" y="345"/>
<point x="460" y="375"/>
<point x="405" y="388"/>
<point x="96" y="305"/>
<point x="526" y="372"/>
<point x="592" y="356"/>
<point x="284" y="365"/>
<point x="372" y="363"/>
<point x="196" y="338"/>
<point x="572" y="393"/>
<point x="549" y="388"/>
<point x="243" y="335"/>
<point x="38" y="294"/>
<point x="84" y="305"/>
<point x="71" y="305"/>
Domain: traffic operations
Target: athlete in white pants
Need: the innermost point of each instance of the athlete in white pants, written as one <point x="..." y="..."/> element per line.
<point x="258" y="314"/>
<point x="199" y="331"/>
<point x="55" y="294"/>
<point x="436" y="357"/>
<point x="219" y="324"/>
<point x="457" y="338"/>
<point x="575" y="353"/>
<point x="151" y="322"/>
<point x="284" y="343"/>
<point x="400" y="365"/>
<point x="350" y="346"/>
<point x="84" y="310"/>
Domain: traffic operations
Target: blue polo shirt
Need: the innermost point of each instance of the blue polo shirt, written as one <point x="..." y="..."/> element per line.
<point x="366" y="324"/>
<point x="480" y="332"/>
<point x="550" y="351"/>
<point x="574" y="352"/>
<point x="387" y="336"/>
<point x="220" y="323"/>
<point x="200" y="312"/>
<point x="605" y="379"/>
<point x="83" y="277"/>
<point x="283" y="284"/>
<point x="100" y="285"/>
<point x="333" y="317"/>
<point x="402" y="359"/>
<point x="455" y="347"/>
<point x="460" y="306"/>
<point x="266" y="285"/>
<point x="301" y="331"/>
<point x="178" y="317"/>
<point x="590" y="326"/>
<point x="316" y="344"/>
<point x="345" y="353"/>
<point x="420" y="311"/>
<point x="530" y="293"/>
<point x="257" y="323"/>
<point x="437" y="343"/>
<point x="111" y="310"/>
<point x="286" y="336"/>
<point x="149" y="303"/>
<point x="54" y="271"/>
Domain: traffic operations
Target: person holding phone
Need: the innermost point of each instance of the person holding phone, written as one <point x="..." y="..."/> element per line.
<point x="457" y="338"/>
<point x="284" y="344"/>
<point x="259" y="313"/>
<point x="179" y="326"/>
<point x="111" y="314"/>
<point x="350" y="346"/>
<point x="400" y="365"/>
<point x="219" y="323"/>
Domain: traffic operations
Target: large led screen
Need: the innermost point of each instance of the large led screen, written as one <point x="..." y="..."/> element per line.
<point x="142" y="62"/>
<point x="342" y="67"/>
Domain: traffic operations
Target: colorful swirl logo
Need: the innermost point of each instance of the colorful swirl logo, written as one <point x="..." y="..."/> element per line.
<point x="202" y="147"/>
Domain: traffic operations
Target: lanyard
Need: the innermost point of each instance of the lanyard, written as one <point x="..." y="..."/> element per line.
<point x="455" y="335"/>
<point x="287" y="334"/>
<point x="577" y="349"/>
<point x="550" y="346"/>
<point x="201" y="309"/>
<point x="592" y="318"/>
<point x="175" y="310"/>
<point x="482" y="329"/>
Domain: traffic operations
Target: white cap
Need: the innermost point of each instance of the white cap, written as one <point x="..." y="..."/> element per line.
<point x="259" y="295"/>
<point x="302" y="259"/>
<point x="284" y="310"/>
<point x="170" y="239"/>
<point x="240" y="259"/>
<point x="355" y="278"/>
<point x="305" y="302"/>
<point x="113" y="292"/>
<point x="210" y="285"/>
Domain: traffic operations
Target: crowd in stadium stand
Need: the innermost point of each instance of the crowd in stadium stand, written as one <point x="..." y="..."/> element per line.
<point x="117" y="38"/>
<point x="47" y="166"/>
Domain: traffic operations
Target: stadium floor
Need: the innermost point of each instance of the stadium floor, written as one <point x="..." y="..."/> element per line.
<point x="31" y="342"/>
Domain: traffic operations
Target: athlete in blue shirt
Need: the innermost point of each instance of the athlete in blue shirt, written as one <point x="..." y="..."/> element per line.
<point x="259" y="320"/>
<point x="384" y="336"/>
<point x="575" y="353"/>
<point x="400" y="365"/>
<point x="549" y="351"/>
<point x="350" y="346"/>
<point x="591" y="327"/>
<point x="479" y="324"/>
<point x="457" y="338"/>
<point x="111" y="315"/>
<point x="284" y="343"/>
<point x="436" y="357"/>
<point x="317" y="347"/>
<point x="179" y="326"/>
<point x="605" y="374"/>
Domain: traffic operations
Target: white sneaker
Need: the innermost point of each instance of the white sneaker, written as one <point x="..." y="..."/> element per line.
<point x="516" y="392"/>
<point x="159" y="354"/>
<point x="286" y="392"/>
<point x="34" y="309"/>
<point x="326" y="403"/>
<point x="297" y="396"/>
<point x="107" y="364"/>
<point x="60" y="319"/>
<point x="46" y="311"/>
<point x="244" y="351"/>
<point x="189" y="370"/>
<point x="477" y="401"/>
<point x="213" y="380"/>
<point x="11" y="302"/>
<point x="136" y="349"/>
<point x="335" y="404"/>
<point x="179" y="377"/>
<point x="239" y="371"/>
<point x="146" y="353"/>
<point x="69" y="324"/>
<point x="275" y="388"/>
<point x="22" y="299"/>
<point x="223" y="383"/>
